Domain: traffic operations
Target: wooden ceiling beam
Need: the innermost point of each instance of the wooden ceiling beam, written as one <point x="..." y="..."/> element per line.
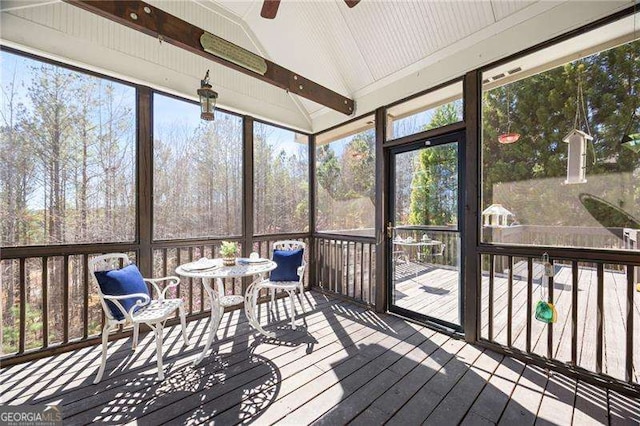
<point x="155" y="22"/>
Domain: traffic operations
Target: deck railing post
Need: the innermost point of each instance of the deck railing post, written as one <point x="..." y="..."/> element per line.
<point x="630" y="309"/>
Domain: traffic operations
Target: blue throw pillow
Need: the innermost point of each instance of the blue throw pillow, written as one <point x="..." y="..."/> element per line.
<point x="288" y="263"/>
<point x="118" y="282"/>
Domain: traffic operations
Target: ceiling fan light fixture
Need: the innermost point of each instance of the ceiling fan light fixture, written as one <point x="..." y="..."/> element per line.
<point x="269" y="9"/>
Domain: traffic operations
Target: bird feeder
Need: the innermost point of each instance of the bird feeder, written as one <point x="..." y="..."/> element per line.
<point x="577" y="156"/>
<point x="496" y="216"/>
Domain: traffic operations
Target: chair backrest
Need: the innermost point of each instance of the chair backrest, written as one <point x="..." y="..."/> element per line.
<point x="290" y="245"/>
<point x="106" y="262"/>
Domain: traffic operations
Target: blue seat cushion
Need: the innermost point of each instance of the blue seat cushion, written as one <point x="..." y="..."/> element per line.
<point x="119" y="282"/>
<point x="288" y="263"/>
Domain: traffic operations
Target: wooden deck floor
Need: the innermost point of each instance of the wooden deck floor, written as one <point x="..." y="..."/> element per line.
<point x="427" y="289"/>
<point x="433" y="291"/>
<point x="343" y="365"/>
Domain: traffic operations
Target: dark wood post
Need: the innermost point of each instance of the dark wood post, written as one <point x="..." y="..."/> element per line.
<point x="470" y="231"/>
<point x="247" y="186"/>
<point x="313" y="261"/>
<point x="382" y="213"/>
<point x="145" y="180"/>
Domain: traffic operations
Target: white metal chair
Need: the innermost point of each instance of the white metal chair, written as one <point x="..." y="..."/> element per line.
<point x="289" y="286"/>
<point x="439" y="251"/>
<point x="152" y="312"/>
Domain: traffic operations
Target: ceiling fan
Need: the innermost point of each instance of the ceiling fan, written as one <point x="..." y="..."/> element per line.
<point x="270" y="7"/>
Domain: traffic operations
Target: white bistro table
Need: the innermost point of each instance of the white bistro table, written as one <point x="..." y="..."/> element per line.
<point x="219" y="299"/>
<point x="413" y="243"/>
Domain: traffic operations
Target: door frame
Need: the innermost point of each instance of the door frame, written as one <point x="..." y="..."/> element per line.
<point x="458" y="136"/>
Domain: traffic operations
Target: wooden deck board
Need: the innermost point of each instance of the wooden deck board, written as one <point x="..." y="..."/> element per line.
<point x="494" y="397"/>
<point x="524" y="403"/>
<point x="444" y="306"/>
<point x="590" y="405"/>
<point x="345" y="364"/>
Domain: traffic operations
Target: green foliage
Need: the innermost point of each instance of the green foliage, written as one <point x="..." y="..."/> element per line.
<point x="543" y="109"/>
<point x="229" y="249"/>
<point x="11" y="328"/>
<point x="328" y="170"/>
<point x="434" y="189"/>
<point x="346" y="182"/>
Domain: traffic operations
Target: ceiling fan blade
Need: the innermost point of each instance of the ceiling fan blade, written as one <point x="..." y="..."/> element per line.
<point x="269" y="8"/>
<point x="351" y="3"/>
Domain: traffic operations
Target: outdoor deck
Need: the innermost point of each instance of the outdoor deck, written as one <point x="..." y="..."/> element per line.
<point x="427" y="289"/>
<point x="344" y="364"/>
<point x="432" y="290"/>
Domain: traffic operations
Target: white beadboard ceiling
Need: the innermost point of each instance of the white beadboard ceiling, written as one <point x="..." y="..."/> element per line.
<point x="374" y="53"/>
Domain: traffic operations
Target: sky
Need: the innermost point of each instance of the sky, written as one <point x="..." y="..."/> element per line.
<point x="166" y="110"/>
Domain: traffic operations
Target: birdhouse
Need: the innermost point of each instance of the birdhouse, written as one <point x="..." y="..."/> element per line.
<point x="495" y="216"/>
<point x="577" y="156"/>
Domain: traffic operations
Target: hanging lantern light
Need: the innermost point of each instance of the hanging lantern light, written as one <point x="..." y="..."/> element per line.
<point x="208" y="99"/>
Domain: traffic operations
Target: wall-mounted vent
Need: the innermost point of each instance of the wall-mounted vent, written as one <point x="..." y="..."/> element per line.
<point x="485" y="81"/>
<point x="497" y="76"/>
<point x="515" y="70"/>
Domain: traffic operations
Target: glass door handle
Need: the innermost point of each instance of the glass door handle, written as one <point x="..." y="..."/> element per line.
<point x="389" y="230"/>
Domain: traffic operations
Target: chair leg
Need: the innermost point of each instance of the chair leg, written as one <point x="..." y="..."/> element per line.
<point x="302" y="297"/>
<point x="183" y="322"/>
<point x="293" y="308"/>
<point x="136" y="330"/>
<point x="158" y="332"/>
<point x="103" y="362"/>
<point x="273" y="296"/>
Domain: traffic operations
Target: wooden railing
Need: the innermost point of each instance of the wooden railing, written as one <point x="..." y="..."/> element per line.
<point x="51" y="305"/>
<point x="345" y="265"/>
<point x="166" y="258"/>
<point x="559" y="236"/>
<point x="598" y="310"/>
<point x="450" y="241"/>
<point x="56" y="305"/>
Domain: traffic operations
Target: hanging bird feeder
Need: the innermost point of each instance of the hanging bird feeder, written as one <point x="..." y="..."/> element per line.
<point x="577" y="141"/>
<point x="509" y="136"/>
<point x="577" y="156"/>
<point x="506" y="138"/>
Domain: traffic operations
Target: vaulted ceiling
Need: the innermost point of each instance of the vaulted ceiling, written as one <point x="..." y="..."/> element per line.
<point x="374" y="53"/>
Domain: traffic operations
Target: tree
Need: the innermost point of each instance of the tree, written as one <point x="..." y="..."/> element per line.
<point x="434" y="189"/>
<point x="542" y="109"/>
<point x="328" y="170"/>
